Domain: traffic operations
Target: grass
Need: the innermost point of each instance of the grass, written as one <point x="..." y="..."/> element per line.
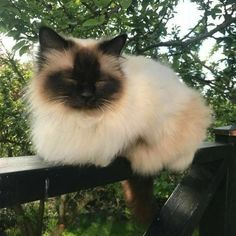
<point x="100" y="226"/>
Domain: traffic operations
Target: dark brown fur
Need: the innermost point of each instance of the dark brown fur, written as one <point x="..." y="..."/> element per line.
<point x="85" y="85"/>
<point x="138" y="193"/>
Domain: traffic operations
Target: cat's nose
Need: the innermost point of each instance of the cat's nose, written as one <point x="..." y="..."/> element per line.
<point x="86" y="94"/>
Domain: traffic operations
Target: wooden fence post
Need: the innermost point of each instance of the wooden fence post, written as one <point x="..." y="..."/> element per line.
<point x="219" y="218"/>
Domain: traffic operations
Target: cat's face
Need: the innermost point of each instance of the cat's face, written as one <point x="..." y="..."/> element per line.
<point x="79" y="75"/>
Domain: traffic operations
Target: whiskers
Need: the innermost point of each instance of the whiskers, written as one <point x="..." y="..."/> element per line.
<point x="59" y="100"/>
<point x="102" y="105"/>
<point x="106" y="105"/>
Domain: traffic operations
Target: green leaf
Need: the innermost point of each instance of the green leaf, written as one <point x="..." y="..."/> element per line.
<point x="4" y="3"/>
<point x="95" y="21"/>
<point x="102" y="3"/>
<point x="2" y="28"/>
<point x="6" y="6"/>
<point x="125" y="3"/>
<point x="23" y="50"/>
<point x="18" y="45"/>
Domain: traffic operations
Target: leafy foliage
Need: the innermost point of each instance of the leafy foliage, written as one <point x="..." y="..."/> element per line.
<point x="147" y="24"/>
<point x="14" y="133"/>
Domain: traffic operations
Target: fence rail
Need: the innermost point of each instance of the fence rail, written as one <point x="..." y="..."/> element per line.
<point x="206" y="196"/>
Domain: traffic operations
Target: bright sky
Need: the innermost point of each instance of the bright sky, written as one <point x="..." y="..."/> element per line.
<point x="8" y="43"/>
<point x="187" y="16"/>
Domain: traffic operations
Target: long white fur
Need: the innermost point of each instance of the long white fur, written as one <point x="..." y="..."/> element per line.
<point x="155" y="106"/>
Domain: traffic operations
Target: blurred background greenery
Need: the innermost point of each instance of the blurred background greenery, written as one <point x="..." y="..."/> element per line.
<point x="203" y="54"/>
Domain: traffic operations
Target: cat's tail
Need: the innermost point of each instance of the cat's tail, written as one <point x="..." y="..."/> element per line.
<point x="138" y="193"/>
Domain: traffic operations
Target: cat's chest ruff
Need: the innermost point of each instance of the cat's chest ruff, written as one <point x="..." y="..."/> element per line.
<point x="80" y="139"/>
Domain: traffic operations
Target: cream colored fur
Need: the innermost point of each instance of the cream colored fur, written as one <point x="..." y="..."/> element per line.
<point x="170" y="118"/>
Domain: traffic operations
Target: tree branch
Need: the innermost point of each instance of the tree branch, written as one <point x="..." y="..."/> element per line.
<point x="176" y="43"/>
<point x="195" y="57"/>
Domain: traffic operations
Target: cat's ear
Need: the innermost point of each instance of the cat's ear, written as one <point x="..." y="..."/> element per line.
<point x="113" y="46"/>
<point x="49" y="39"/>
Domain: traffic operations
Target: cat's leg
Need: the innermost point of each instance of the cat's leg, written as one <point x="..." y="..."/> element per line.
<point x="138" y="190"/>
<point x="138" y="193"/>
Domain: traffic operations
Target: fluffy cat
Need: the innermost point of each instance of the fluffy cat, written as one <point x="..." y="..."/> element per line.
<point x="90" y="104"/>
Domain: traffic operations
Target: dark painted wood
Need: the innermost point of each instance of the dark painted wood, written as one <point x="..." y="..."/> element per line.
<point x="214" y="152"/>
<point x="208" y="182"/>
<point x="213" y="173"/>
<point x="226" y="130"/>
<point x="226" y="134"/>
<point x="231" y="196"/>
<point x="210" y="152"/>
<point x="220" y="216"/>
<point x="183" y="210"/>
<point x="212" y="221"/>
<point x="34" y="179"/>
<point x="26" y="163"/>
<point x="24" y="179"/>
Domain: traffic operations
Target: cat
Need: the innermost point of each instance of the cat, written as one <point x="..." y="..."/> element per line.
<point x="90" y="104"/>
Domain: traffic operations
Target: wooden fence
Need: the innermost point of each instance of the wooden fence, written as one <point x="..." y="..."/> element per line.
<point x="205" y="197"/>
